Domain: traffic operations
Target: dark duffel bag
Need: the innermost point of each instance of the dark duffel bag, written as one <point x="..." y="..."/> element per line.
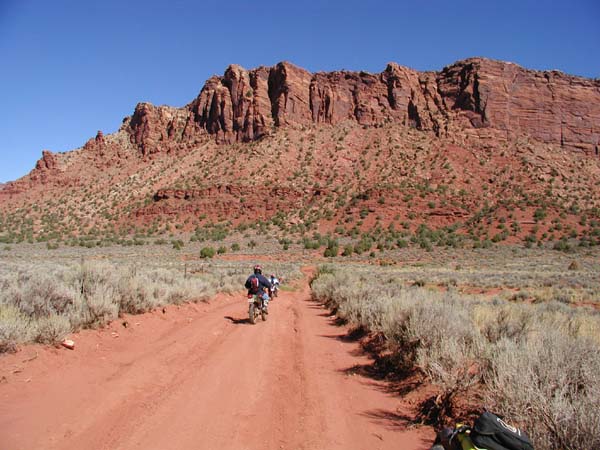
<point x="492" y="433"/>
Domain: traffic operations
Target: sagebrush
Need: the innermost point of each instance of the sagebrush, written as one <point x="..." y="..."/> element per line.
<point x="44" y="301"/>
<point x="538" y="364"/>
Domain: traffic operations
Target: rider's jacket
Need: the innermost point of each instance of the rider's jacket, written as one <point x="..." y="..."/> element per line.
<point x="263" y="282"/>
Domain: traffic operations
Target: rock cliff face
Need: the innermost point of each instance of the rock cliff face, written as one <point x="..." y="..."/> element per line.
<point x="158" y="128"/>
<point x="477" y="93"/>
<point x="359" y="150"/>
<point x="224" y="201"/>
<point x="550" y="107"/>
<point x="235" y="107"/>
<point x="47" y="167"/>
<point x="48" y="162"/>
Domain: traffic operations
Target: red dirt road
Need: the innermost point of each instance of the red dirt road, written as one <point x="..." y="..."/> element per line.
<point x="200" y="377"/>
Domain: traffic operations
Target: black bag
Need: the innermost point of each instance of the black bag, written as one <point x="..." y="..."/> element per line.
<point x="492" y="433"/>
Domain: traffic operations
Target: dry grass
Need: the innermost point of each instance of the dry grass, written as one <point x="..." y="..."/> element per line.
<point x="42" y="300"/>
<point x="538" y="364"/>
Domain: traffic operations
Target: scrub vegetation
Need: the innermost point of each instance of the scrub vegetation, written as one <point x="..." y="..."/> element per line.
<point x="536" y="363"/>
<point x="43" y="300"/>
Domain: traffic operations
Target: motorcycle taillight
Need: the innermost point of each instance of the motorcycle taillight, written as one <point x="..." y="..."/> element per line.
<point x="249" y="295"/>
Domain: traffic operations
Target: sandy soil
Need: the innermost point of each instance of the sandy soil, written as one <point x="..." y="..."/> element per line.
<point x="199" y="376"/>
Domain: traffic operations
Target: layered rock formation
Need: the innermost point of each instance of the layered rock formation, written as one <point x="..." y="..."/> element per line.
<point x="48" y="161"/>
<point x="224" y="201"/>
<point x="477" y="93"/>
<point x="550" y="107"/>
<point x="400" y="147"/>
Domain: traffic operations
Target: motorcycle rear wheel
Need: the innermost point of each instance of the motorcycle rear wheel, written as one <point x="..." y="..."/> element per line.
<point x="251" y="313"/>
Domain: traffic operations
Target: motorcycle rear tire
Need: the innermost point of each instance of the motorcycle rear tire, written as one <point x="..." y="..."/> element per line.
<point x="251" y="313"/>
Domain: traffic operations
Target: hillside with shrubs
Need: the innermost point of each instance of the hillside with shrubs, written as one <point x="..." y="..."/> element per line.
<point x="407" y="165"/>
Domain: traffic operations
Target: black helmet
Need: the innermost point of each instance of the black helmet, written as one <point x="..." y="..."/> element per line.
<point x="258" y="269"/>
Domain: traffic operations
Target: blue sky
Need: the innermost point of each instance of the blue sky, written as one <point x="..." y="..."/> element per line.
<point x="70" y="68"/>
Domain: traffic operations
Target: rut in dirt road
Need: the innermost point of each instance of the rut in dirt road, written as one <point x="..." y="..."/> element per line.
<point x="202" y="377"/>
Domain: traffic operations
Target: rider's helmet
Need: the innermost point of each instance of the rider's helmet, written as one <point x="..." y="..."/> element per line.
<point x="258" y="269"/>
<point x="272" y="275"/>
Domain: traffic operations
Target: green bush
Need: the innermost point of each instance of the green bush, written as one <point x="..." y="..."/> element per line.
<point x="207" y="252"/>
<point x="562" y="246"/>
<point x="401" y="243"/>
<point x="332" y="249"/>
<point x="539" y="214"/>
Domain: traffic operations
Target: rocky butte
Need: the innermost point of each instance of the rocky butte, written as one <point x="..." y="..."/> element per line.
<point x="479" y="114"/>
<point x="244" y="105"/>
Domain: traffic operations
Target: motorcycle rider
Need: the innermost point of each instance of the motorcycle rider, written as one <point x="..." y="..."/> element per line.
<point x="274" y="283"/>
<point x="264" y="286"/>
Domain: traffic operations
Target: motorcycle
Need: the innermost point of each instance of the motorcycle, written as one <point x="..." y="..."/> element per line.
<point x="256" y="307"/>
<point x="273" y="291"/>
<point x="488" y="431"/>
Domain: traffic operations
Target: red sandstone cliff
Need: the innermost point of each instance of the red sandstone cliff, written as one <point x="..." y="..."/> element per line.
<point x="349" y="139"/>
<point x="477" y="93"/>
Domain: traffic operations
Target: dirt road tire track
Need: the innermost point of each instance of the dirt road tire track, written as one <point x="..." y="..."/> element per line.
<point x="201" y="377"/>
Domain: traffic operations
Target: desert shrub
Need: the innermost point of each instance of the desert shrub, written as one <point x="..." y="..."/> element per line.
<point x="43" y="303"/>
<point x="285" y="243"/>
<point x="332" y="249"/>
<point x="134" y="296"/>
<point x="504" y="321"/>
<point x="207" y="252"/>
<point x="539" y="214"/>
<point x="551" y="384"/>
<point x="538" y="364"/>
<point x="51" y="329"/>
<point x="99" y="306"/>
<point x="401" y="243"/>
<point x="40" y="296"/>
<point x="177" y="244"/>
<point x="562" y="245"/>
<point x="348" y="250"/>
<point x="364" y="245"/>
<point x="447" y="347"/>
<point x="14" y="328"/>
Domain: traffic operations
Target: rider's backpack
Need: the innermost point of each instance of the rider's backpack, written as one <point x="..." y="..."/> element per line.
<point x="492" y="433"/>
<point x="254" y="285"/>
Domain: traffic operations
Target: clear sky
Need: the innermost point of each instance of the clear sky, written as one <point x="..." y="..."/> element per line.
<point x="70" y="68"/>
